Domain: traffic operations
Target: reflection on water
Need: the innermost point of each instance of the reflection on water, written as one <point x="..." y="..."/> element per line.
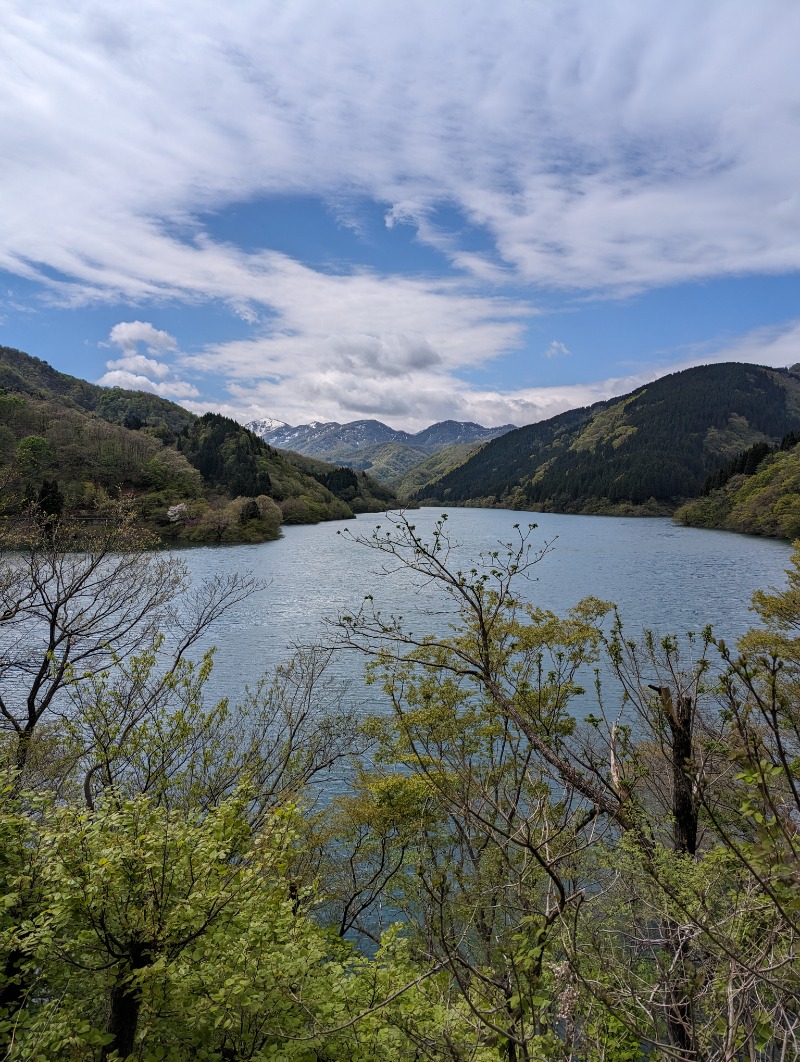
<point x="664" y="577"/>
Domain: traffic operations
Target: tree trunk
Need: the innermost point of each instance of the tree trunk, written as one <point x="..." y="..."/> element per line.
<point x="125" y="1004"/>
<point x="22" y="752"/>
<point x="680" y="1016"/>
<point x="680" y="1010"/>
<point x="123" y="1019"/>
<point x="684" y="803"/>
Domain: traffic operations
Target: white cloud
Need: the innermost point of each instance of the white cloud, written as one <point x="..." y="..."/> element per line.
<point x="335" y="394"/>
<point x="309" y="362"/>
<point x="127" y="335"/>
<point x="331" y="396"/>
<point x="172" y="389"/>
<point x="557" y="349"/>
<point x="140" y="363"/>
<point x="594" y="147"/>
<point x="136" y="371"/>
<point x="617" y="146"/>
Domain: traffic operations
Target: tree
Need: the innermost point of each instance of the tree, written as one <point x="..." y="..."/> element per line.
<point x="170" y="913"/>
<point x="81" y="597"/>
<point x="172" y="934"/>
<point x="648" y="886"/>
<point x="487" y="802"/>
<point x="33" y="453"/>
<point x="74" y="603"/>
<point x="50" y="501"/>
<point x="189" y="841"/>
<point x="761" y="702"/>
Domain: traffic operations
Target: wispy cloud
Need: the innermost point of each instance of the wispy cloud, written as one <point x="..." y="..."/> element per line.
<point x="557" y="349"/>
<point x="627" y="145"/>
<point x="309" y="360"/>
<point x="596" y="148"/>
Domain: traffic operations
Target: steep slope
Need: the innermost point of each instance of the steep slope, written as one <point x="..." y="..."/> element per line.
<point x="761" y="496"/>
<point x="646" y="451"/>
<point x="71" y="445"/>
<point x="432" y="468"/>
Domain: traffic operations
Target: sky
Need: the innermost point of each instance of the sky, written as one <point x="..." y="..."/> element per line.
<point x="408" y="210"/>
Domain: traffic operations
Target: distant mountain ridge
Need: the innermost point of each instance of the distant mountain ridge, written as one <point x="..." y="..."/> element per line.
<point x="266" y="424"/>
<point x="321" y="436"/>
<point x="371" y="445"/>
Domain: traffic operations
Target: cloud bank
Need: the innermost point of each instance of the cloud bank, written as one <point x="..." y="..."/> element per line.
<point x="616" y="145"/>
<point x="596" y="149"/>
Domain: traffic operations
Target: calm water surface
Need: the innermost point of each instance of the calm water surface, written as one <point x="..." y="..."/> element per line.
<point x="664" y="577"/>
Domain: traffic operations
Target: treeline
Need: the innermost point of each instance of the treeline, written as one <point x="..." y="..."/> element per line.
<point x="654" y="447"/>
<point x="506" y="870"/>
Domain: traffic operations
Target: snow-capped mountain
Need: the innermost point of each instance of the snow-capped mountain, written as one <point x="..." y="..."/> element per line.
<point x="265" y="425"/>
<point x="326" y="437"/>
<point x="373" y="445"/>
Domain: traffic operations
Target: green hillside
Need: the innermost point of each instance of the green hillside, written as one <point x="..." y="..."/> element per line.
<point x="70" y="446"/>
<point x="386" y="461"/>
<point x="363" y="493"/>
<point x="21" y="373"/>
<point x="759" y="497"/>
<point x="433" y="467"/>
<point x="646" y="452"/>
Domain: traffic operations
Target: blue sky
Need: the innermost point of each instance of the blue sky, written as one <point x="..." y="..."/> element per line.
<point x="401" y="210"/>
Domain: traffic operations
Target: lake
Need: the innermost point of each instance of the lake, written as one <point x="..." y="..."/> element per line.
<point x="662" y="576"/>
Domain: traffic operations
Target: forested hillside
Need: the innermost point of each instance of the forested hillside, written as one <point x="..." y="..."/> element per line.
<point x="22" y="373"/>
<point x="432" y="468"/>
<point x="757" y="492"/>
<point x="68" y="446"/>
<point x="647" y="451"/>
<point x="361" y="492"/>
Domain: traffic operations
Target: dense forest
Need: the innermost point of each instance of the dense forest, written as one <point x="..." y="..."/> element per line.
<point x="497" y="869"/>
<point x="647" y="451"/>
<point x="70" y="446"/>
<point x="757" y="492"/>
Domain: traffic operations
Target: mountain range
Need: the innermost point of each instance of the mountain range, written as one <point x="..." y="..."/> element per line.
<point x="370" y="445"/>
<point x="717" y="443"/>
